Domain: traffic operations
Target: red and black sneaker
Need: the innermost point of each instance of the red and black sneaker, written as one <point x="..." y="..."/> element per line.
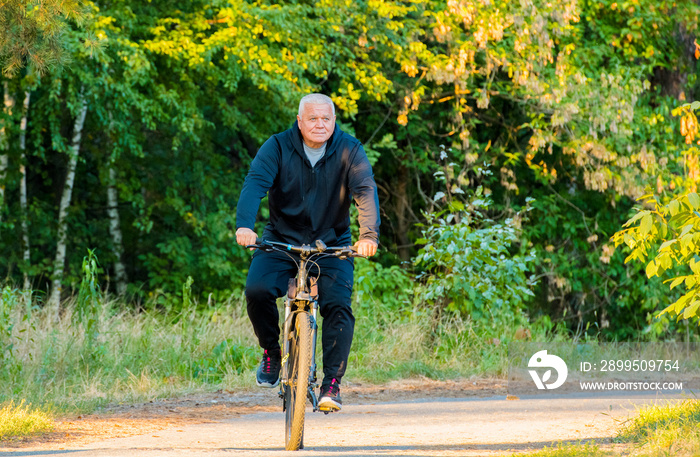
<point x="330" y="397"/>
<point x="268" y="374"/>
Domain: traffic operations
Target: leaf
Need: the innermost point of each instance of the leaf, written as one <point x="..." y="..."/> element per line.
<point x="677" y="281"/>
<point x="456" y="205"/>
<point x="680" y="303"/>
<point x="687" y="244"/>
<point x="635" y="218"/>
<point x="652" y="269"/>
<point x="646" y="224"/>
<point x="695" y="266"/>
<point x="666" y="245"/>
<point x="667" y="310"/>
<point x="694" y="200"/>
<point x="687" y="228"/>
<point x="665" y="261"/>
<point x="674" y="207"/>
<point x="692" y="310"/>
<point x="632" y="256"/>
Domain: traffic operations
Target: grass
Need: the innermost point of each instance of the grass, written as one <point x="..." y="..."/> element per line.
<point x="415" y="345"/>
<point x="138" y="356"/>
<point x="671" y="430"/>
<point x="101" y="352"/>
<point x="20" y="420"/>
<point x="668" y="430"/>
<point x="127" y="356"/>
<point x="572" y="450"/>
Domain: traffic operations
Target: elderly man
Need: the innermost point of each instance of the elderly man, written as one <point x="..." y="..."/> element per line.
<point x="310" y="173"/>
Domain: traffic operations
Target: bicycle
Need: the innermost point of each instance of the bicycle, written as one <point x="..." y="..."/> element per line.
<point x="298" y="375"/>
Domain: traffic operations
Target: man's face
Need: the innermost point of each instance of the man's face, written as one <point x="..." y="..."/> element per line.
<point x="316" y="123"/>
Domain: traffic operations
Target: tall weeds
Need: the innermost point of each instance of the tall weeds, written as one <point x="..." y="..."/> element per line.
<point x="100" y="351"/>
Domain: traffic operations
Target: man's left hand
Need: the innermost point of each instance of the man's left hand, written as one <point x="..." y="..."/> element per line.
<point x="366" y="247"/>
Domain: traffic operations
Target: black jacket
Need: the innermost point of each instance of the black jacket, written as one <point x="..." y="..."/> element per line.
<point x="309" y="203"/>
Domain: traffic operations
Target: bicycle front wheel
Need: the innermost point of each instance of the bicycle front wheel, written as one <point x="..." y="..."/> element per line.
<point x="298" y="382"/>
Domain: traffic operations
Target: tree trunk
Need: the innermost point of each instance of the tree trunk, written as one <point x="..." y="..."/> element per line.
<point x="9" y="103"/>
<point x="115" y="229"/>
<point x="23" y="190"/>
<point x="59" y="262"/>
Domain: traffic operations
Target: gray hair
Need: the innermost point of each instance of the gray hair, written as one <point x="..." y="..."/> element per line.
<point x="316" y="99"/>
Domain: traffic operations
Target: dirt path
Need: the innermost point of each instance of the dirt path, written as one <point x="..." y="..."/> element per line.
<point x="416" y="418"/>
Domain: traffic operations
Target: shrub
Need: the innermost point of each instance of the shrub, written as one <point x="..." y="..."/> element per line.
<point x="466" y="265"/>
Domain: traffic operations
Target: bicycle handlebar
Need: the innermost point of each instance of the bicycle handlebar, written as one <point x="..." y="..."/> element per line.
<point x="305" y="249"/>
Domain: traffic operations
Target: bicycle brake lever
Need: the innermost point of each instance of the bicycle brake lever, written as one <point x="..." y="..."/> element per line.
<point x="345" y="253"/>
<point x="260" y="244"/>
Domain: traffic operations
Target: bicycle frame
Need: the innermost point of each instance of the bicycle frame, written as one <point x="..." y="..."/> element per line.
<point x="302" y="302"/>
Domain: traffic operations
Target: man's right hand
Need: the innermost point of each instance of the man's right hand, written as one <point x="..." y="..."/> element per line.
<point x="245" y="236"/>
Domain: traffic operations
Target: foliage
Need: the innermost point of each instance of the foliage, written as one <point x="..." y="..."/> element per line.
<point x="382" y="293"/>
<point x="590" y="449"/>
<point x="667" y="233"/>
<point x="656" y="430"/>
<point x="152" y="353"/>
<point x="226" y="357"/>
<point x="466" y="265"/>
<point x="665" y="429"/>
<point x="583" y="281"/>
<point x="89" y="300"/>
<point x="34" y="33"/>
<point x="21" y="420"/>
<point x="567" y="103"/>
<point x="8" y="303"/>
<point x="674" y="225"/>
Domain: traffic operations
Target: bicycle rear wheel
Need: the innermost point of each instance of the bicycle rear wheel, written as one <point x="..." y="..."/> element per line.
<point x="298" y="382"/>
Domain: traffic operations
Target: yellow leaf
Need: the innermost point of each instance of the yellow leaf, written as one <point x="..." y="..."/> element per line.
<point x="694" y="200"/>
<point x="651" y="269"/>
<point x="692" y="310"/>
<point x="677" y="281"/>
<point x="673" y="206"/>
<point x="695" y="266"/>
<point x="646" y="224"/>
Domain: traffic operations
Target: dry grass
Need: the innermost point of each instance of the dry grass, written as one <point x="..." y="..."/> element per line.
<point x="132" y="356"/>
<point x="657" y="431"/>
<point x="672" y="429"/>
<point x="109" y="355"/>
<point x="20" y="420"/>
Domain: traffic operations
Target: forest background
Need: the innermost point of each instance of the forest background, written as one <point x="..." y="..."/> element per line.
<point x="510" y="141"/>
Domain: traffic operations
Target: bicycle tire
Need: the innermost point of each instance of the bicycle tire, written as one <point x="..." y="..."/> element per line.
<point x="296" y="390"/>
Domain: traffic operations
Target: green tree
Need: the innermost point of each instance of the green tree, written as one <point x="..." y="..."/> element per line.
<point x="32" y="33"/>
<point x="666" y="236"/>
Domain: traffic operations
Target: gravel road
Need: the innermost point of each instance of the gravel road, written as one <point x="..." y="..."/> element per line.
<point x="491" y="426"/>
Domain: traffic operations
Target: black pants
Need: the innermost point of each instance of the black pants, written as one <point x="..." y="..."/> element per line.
<point x="268" y="278"/>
